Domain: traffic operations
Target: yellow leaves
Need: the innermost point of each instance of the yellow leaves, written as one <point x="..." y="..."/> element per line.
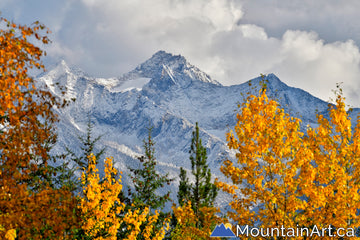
<point x="226" y="187"/>
<point x="137" y="218"/>
<point x="186" y="227"/>
<point x="258" y="182"/>
<point x="292" y="178"/>
<point x="98" y="205"/>
<point x="10" y="234"/>
<point x="150" y="226"/>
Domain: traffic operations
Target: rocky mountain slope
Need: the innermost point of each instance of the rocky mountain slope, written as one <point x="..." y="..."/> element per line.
<point x="170" y="94"/>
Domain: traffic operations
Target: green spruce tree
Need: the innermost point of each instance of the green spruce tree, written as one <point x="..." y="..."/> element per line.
<point x="66" y="171"/>
<point x="202" y="192"/>
<point x="184" y="187"/>
<point x="147" y="180"/>
<point x="87" y="147"/>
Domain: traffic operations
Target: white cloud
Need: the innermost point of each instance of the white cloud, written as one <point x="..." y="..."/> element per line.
<point x="299" y="58"/>
<point x="311" y="64"/>
<point x="232" y="40"/>
<point x="333" y="20"/>
<point x="253" y="31"/>
<point x="116" y="35"/>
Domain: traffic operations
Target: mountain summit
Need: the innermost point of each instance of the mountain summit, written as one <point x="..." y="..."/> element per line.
<point x="169" y="94"/>
<point x="165" y="69"/>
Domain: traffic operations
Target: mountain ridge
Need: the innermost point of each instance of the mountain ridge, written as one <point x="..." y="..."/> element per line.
<point x="171" y="95"/>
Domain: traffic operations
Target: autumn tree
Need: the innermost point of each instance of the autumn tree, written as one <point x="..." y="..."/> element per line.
<point x="100" y="208"/>
<point x="27" y="129"/>
<point x="98" y="203"/>
<point x="187" y="222"/>
<point x="282" y="177"/>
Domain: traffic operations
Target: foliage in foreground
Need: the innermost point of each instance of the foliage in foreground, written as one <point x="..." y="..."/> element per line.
<point x="188" y="227"/>
<point x="195" y="217"/>
<point x="283" y="177"/>
<point x="147" y="181"/>
<point x="101" y="208"/>
<point x="30" y="207"/>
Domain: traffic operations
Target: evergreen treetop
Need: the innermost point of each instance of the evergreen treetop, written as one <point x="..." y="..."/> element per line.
<point x="202" y="192"/>
<point x="147" y="180"/>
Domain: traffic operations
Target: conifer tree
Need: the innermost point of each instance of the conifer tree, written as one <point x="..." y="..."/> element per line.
<point x="202" y="192"/>
<point x="146" y="183"/>
<point x="66" y="172"/>
<point x="184" y="187"/>
<point x="87" y="146"/>
<point x="147" y="180"/>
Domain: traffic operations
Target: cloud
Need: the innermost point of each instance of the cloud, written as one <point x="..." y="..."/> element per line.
<point x="333" y="20"/>
<point x="232" y="40"/>
<point x="317" y="67"/>
<point x="126" y="32"/>
<point x="300" y="58"/>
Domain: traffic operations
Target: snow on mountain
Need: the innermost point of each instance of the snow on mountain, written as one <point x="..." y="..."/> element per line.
<point x="169" y="94"/>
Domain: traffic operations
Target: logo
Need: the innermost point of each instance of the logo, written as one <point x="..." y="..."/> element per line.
<point x="223" y="230"/>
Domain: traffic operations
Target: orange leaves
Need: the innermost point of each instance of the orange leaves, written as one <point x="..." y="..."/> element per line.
<point x="226" y="187"/>
<point x="335" y="175"/>
<point x="292" y="179"/>
<point x="39" y="215"/>
<point x="187" y="220"/>
<point x="27" y="203"/>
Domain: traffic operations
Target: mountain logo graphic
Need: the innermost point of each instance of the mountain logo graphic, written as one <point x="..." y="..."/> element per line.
<point x="223" y="231"/>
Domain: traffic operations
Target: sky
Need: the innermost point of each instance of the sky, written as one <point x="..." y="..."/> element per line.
<point x="312" y="45"/>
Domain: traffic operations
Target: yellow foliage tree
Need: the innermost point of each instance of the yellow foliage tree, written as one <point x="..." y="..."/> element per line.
<point x="285" y="178"/>
<point x="100" y="208"/>
<point x="10" y="234"/>
<point x="29" y="208"/>
<point x="187" y="222"/>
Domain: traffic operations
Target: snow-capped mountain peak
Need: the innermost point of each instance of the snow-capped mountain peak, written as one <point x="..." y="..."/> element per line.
<point x="62" y="79"/>
<point x="163" y="62"/>
<point x="171" y="95"/>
